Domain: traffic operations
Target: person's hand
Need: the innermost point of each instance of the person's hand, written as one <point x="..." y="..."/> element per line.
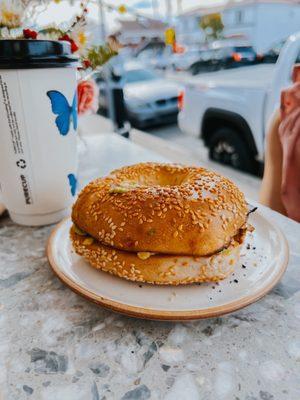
<point x="290" y="99"/>
<point x="289" y="129"/>
<point x="296" y="73"/>
<point x="289" y="135"/>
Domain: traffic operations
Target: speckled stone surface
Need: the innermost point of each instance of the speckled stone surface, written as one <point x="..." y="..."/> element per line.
<point x="54" y="345"/>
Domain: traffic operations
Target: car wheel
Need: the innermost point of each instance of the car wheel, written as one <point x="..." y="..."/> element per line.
<point x="227" y="147"/>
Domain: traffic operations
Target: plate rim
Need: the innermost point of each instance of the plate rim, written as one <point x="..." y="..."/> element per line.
<point x="163" y="315"/>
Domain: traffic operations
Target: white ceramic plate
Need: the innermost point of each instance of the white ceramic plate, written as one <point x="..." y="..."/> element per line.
<point x="263" y="262"/>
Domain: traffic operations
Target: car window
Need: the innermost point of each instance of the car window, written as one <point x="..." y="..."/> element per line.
<point x="243" y="49"/>
<point x="150" y="52"/>
<point x="220" y="53"/>
<point x="145" y="54"/>
<point x="138" y="75"/>
<point x="98" y="77"/>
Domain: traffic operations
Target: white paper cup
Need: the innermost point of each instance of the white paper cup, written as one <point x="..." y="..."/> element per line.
<point x="38" y="114"/>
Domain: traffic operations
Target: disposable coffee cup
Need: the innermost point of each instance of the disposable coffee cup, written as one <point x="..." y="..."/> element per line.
<point x="38" y="121"/>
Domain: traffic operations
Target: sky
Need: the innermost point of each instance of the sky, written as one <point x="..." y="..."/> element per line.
<point x="63" y="11"/>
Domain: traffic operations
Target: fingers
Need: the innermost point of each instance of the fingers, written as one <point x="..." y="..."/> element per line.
<point x="296" y="128"/>
<point x="292" y="117"/>
<point x="290" y="99"/>
<point x="282" y="104"/>
<point x="289" y="122"/>
<point x="296" y="73"/>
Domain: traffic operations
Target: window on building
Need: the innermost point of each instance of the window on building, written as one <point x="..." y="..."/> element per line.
<point x="239" y="17"/>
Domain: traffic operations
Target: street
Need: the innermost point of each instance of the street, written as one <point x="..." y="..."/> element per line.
<point x="196" y="153"/>
<point x="173" y="134"/>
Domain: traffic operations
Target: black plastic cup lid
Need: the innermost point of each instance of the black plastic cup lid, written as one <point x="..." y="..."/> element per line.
<point x="23" y="53"/>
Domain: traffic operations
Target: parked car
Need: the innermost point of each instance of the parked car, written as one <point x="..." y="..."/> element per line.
<point x="271" y="56"/>
<point x="161" y="60"/>
<point x="224" y="57"/>
<point x="149" y="98"/>
<point x="230" y="109"/>
<point x="207" y="62"/>
<point x="183" y="61"/>
<point x="149" y="47"/>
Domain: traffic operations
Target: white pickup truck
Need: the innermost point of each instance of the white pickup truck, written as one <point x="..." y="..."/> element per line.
<point x="230" y="109"/>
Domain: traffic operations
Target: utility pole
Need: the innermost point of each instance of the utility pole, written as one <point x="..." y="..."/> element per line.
<point x="102" y="21"/>
<point x="169" y="12"/>
<point x="106" y="69"/>
<point x="179" y="7"/>
<point x="155" y="9"/>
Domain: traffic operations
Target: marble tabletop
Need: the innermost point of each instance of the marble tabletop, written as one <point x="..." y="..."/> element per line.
<point x="55" y="345"/>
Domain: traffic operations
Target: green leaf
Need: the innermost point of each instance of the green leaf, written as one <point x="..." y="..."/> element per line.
<point x="99" y="55"/>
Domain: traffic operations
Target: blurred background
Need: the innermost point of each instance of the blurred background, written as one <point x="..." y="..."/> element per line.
<point x="205" y="75"/>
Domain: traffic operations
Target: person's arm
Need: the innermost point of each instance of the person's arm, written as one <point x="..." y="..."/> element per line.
<point x="270" y="193"/>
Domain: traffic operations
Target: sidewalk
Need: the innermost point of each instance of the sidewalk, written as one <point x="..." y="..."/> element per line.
<point x="95" y="124"/>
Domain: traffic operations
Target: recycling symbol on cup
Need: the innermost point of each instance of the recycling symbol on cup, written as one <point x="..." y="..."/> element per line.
<point x="21" y="163"/>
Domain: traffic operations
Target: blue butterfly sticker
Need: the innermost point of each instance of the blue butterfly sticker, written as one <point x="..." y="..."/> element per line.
<point x="73" y="183"/>
<point x="65" y="113"/>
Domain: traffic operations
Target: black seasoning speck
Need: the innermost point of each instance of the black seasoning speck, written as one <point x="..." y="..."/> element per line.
<point x="140" y="285"/>
<point x="254" y="248"/>
<point x="244" y="266"/>
<point x="210" y="298"/>
<point x="248" y="246"/>
<point x="220" y="291"/>
<point x="213" y="287"/>
<point x="236" y="281"/>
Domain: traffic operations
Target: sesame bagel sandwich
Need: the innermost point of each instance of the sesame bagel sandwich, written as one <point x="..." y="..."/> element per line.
<point x="161" y="224"/>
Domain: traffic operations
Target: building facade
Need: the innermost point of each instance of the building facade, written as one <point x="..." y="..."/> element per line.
<point x="133" y="31"/>
<point x="260" y="23"/>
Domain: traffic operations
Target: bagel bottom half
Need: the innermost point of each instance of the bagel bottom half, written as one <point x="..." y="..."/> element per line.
<point x="156" y="268"/>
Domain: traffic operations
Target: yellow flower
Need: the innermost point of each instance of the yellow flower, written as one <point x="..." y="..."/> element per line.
<point x="82" y="38"/>
<point x="10" y="16"/>
<point x="122" y="9"/>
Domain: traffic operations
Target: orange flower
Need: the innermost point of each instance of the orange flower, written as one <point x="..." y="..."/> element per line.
<point x="87" y="96"/>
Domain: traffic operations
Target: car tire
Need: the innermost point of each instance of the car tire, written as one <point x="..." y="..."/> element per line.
<point x="227" y="147"/>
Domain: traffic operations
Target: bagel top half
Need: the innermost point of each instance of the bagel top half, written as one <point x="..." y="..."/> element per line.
<point x="162" y="208"/>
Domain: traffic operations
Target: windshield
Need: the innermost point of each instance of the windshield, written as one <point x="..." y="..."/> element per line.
<point x="137" y="75"/>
